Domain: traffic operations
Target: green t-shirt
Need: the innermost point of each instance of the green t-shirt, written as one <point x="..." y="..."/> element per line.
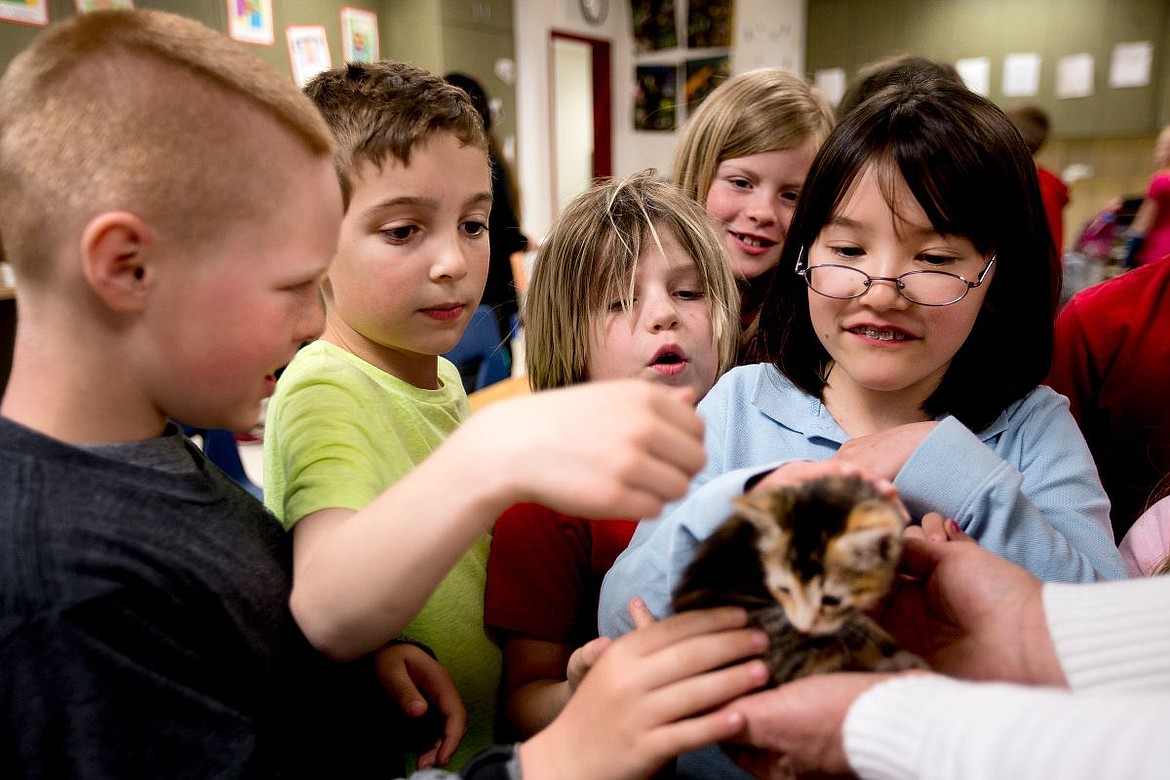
<point x="337" y="433"/>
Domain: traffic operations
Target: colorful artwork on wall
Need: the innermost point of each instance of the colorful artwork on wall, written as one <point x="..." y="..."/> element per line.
<point x="656" y="98"/>
<point x="359" y="35"/>
<point x="709" y="23"/>
<point x="85" y="6"/>
<point x="654" y="25"/>
<point x="34" y="12"/>
<point x="308" y="51"/>
<point x="250" y="21"/>
<point x="702" y="76"/>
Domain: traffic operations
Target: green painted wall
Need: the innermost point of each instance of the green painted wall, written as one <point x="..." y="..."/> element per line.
<point x="213" y="13"/>
<point x="850" y="33"/>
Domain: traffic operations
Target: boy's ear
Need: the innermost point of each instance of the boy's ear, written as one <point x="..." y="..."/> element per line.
<point x="116" y="259"/>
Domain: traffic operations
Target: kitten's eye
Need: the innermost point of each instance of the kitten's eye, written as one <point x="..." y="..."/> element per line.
<point x="831" y="601"/>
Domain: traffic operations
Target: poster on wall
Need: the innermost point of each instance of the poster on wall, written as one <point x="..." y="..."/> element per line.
<point x="34" y="12"/>
<point x="702" y="76"/>
<point x="656" y="98"/>
<point x="708" y="23"/>
<point x="308" y="52"/>
<point x="359" y="35"/>
<point x="85" y="6"/>
<point x="250" y="21"/>
<point x="654" y="25"/>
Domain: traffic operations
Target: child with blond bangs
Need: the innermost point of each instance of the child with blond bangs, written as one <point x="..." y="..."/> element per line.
<point x="743" y="156"/>
<point x="630" y="283"/>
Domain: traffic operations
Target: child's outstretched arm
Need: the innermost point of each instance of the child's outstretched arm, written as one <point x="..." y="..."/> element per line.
<point x="639" y="706"/>
<point x="606" y="449"/>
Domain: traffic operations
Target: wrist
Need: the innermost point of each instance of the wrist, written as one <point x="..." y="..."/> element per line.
<point x="1040" y="663"/>
<point x="545" y="755"/>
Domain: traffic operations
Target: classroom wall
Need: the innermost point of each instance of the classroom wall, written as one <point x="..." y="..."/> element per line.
<point x="768" y="33"/>
<point x="1110" y="135"/>
<point x="213" y="13"/>
<point x="1104" y="141"/>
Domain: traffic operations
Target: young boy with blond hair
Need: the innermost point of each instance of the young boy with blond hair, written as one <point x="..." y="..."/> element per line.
<point x="144" y="627"/>
<point x="169" y="205"/>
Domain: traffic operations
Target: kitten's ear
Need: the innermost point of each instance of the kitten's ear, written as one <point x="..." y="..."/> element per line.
<point x="873" y="535"/>
<point x="762" y="508"/>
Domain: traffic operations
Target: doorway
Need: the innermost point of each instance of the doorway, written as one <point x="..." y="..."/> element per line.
<point x="582" y="142"/>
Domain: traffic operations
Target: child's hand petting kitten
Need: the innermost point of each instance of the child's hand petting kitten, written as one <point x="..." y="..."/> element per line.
<point x="884" y="453"/>
<point x="424" y="689"/>
<point x="650" y="697"/>
<point x="798" y="471"/>
<point x="936" y="528"/>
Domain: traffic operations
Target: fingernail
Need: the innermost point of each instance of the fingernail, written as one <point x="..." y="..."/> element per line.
<point x="952" y="526"/>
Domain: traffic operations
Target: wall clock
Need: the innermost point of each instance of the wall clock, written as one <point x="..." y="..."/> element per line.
<point x="594" y="11"/>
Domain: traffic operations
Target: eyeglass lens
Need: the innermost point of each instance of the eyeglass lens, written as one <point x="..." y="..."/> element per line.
<point x="926" y="287"/>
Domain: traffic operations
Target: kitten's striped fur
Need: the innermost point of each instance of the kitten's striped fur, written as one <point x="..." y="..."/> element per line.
<point x="806" y="561"/>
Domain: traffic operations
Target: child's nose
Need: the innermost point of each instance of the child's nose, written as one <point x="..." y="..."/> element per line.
<point x="883" y="293"/>
<point x="451" y="261"/>
<point x="662" y="314"/>
<point x="761" y="207"/>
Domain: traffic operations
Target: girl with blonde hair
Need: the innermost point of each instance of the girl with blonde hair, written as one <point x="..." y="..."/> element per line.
<point x="744" y="156"/>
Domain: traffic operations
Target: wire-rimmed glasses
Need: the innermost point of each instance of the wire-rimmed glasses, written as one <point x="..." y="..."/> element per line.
<point x="924" y="287"/>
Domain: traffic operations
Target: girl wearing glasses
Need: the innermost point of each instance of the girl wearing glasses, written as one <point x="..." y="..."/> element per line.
<point x="907" y="339"/>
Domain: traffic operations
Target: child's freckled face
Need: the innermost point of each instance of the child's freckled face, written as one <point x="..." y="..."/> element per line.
<point x="413" y="255"/>
<point x="881" y="341"/>
<point x="667" y="336"/>
<point x="751" y="201"/>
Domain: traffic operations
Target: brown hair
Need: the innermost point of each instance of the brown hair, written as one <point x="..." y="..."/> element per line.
<point x="379" y="111"/>
<point x="1032" y="123"/>
<point x="589" y="259"/>
<point x="143" y="111"/>
<point x="752" y="113"/>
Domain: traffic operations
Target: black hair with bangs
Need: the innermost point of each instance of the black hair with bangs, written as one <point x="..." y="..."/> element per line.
<point x="970" y="171"/>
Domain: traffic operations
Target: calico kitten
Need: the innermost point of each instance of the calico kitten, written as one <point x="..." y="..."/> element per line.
<point x="805" y="561"/>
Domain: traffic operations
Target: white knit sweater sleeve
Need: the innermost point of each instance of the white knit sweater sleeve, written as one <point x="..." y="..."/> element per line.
<point x="1113" y="641"/>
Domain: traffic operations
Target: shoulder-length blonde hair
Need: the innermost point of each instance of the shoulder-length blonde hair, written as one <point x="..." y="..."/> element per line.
<point x="752" y="113"/>
<point x="589" y="260"/>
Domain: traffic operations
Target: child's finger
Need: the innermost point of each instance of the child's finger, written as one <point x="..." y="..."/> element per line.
<point x="640" y="613"/>
<point x="453" y="731"/>
<point x="585" y="658"/>
<point x="956" y="534"/>
<point x="430" y="758"/>
<point x="698" y="654"/>
<point x="397" y="682"/>
<point x="932" y="527"/>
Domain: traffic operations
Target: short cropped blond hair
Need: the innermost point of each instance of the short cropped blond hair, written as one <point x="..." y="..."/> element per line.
<point x="379" y="111"/>
<point x="755" y="112"/>
<point x="589" y="260"/>
<point x="143" y="111"/>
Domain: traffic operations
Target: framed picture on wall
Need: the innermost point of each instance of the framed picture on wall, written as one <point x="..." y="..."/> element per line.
<point x="308" y="51"/>
<point x="250" y="21"/>
<point x="655" y="97"/>
<point x="85" y="6"/>
<point x="702" y="76"/>
<point x="359" y="35"/>
<point x="34" y="12"/>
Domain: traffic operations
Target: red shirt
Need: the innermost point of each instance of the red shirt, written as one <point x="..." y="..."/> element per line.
<point x="545" y="570"/>
<point x="1055" y="195"/>
<point x="1112" y="360"/>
